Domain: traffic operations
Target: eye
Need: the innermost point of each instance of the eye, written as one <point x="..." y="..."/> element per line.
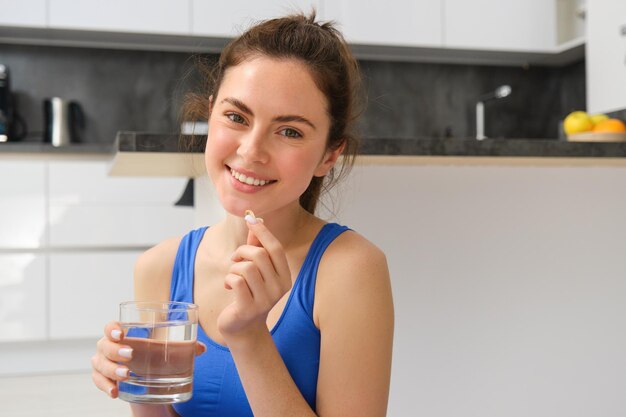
<point x="237" y="118"/>
<point x="291" y="133"/>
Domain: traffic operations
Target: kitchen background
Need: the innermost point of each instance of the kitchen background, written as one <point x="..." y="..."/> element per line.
<point x="141" y="90"/>
<point x="508" y="273"/>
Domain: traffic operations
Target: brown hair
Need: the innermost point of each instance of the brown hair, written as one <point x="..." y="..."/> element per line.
<point x="323" y="50"/>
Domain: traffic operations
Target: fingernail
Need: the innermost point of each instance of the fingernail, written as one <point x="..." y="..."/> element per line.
<point x="116" y="334"/>
<point x="126" y="352"/>
<point x="111" y="391"/>
<point x="250" y="217"/>
<point x="258" y="219"/>
<point x="121" y="372"/>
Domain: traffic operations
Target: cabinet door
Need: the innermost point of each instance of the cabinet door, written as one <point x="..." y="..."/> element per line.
<point x="22" y="297"/>
<point x="86" y="289"/>
<point x="89" y="208"/>
<point x="143" y="16"/>
<point x="513" y="25"/>
<point x="606" y="55"/>
<point x="22" y="204"/>
<point x="391" y="22"/>
<point x="23" y="13"/>
<point x="230" y="19"/>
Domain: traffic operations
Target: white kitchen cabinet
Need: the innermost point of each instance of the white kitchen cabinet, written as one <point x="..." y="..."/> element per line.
<point x="85" y="290"/>
<point x="137" y="16"/>
<point x="23" y="13"/>
<point x="391" y="22"/>
<point x="606" y="55"/>
<point x="222" y="19"/>
<point x="22" y="205"/>
<point x="22" y="297"/>
<point x="90" y="209"/>
<point x="511" y="25"/>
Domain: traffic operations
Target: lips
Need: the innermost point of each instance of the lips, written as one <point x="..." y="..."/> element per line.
<point x="249" y="179"/>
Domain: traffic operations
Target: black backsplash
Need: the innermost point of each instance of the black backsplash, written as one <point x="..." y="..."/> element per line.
<point x="141" y="90"/>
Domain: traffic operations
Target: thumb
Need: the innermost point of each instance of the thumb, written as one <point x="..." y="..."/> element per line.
<point x="252" y="239"/>
<point x="250" y="220"/>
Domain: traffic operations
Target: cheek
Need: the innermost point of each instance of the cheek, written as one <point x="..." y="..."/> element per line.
<point x="300" y="167"/>
<point x="219" y="144"/>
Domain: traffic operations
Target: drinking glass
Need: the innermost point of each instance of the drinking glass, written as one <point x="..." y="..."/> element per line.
<point x="163" y="338"/>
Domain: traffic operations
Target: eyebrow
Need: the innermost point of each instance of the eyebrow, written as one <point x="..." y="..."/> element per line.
<point x="286" y="118"/>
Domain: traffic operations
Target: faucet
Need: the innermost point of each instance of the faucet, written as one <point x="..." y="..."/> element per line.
<point x="500" y="92"/>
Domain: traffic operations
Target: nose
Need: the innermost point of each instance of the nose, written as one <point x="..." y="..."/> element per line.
<point x="252" y="147"/>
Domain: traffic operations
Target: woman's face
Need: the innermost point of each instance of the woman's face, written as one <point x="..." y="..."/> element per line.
<point x="267" y="136"/>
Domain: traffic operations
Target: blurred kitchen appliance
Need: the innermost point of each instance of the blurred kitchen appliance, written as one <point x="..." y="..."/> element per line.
<point x="500" y="92"/>
<point x="63" y="121"/>
<point x="12" y="126"/>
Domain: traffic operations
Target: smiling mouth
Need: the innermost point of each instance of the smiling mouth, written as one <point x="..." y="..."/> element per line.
<point x="249" y="180"/>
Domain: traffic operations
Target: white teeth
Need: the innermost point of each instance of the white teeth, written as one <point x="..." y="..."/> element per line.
<point x="247" y="180"/>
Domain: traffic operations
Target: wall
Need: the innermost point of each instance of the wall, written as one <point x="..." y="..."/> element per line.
<point x="508" y="286"/>
<point x="140" y="90"/>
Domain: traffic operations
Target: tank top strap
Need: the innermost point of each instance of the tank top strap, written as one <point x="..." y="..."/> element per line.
<point x="305" y="284"/>
<point x="181" y="288"/>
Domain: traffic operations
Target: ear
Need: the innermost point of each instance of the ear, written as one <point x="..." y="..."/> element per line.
<point x="329" y="160"/>
<point x="210" y="106"/>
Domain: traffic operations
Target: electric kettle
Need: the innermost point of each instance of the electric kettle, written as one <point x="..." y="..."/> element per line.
<point x="63" y="121"/>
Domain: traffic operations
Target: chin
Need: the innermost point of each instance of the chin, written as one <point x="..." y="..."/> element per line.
<point x="237" y="206"/>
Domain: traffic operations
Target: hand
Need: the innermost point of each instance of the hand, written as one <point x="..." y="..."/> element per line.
<point x="259" y="277"/>
<point x="106" y="370"/>
<point x="110" y="362"/>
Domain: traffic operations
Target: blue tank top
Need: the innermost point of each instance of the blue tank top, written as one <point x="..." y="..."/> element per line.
<point x="217" y="389"/>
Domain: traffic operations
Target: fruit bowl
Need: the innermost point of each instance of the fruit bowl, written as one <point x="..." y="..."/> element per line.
<point x="597" y="137"/>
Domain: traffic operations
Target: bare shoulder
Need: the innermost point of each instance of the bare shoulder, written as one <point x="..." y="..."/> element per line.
<point x="352" y="256"/>
<point x="352" y="270"/>
<point x="153" y="270"/>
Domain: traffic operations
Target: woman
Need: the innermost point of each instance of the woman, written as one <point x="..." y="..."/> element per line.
<point x="296" y="313"/>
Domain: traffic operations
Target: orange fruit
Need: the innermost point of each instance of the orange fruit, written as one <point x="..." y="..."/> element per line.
<point x="610" y="125"/>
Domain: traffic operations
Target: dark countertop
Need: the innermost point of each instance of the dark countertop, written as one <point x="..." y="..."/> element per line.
<point x="453" y="147"/>
<point x="131" y="142"/>
<point x="46" y="148"/>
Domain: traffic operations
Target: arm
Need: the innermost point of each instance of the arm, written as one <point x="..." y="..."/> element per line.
<point x="355" y="313"/>
<point x="153" y="273"/>
<point x="153" y="276"/>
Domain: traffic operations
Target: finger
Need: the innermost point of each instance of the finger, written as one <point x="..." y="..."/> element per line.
<point x="273" y="247"/>
<point x="200" y="348"/>
<point x="104" y="384"/>
<point x="274" y="287"/>
<point x="258" y="256"/>
<point x="252" y="276"/>
<point x="113" y="331"/>
<point x="108" y="369"/>
<point x="252" y="239"/>
<point x="114" y="351"/>
<point x="238" y="284"/>
<point x="251" y="218"/>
